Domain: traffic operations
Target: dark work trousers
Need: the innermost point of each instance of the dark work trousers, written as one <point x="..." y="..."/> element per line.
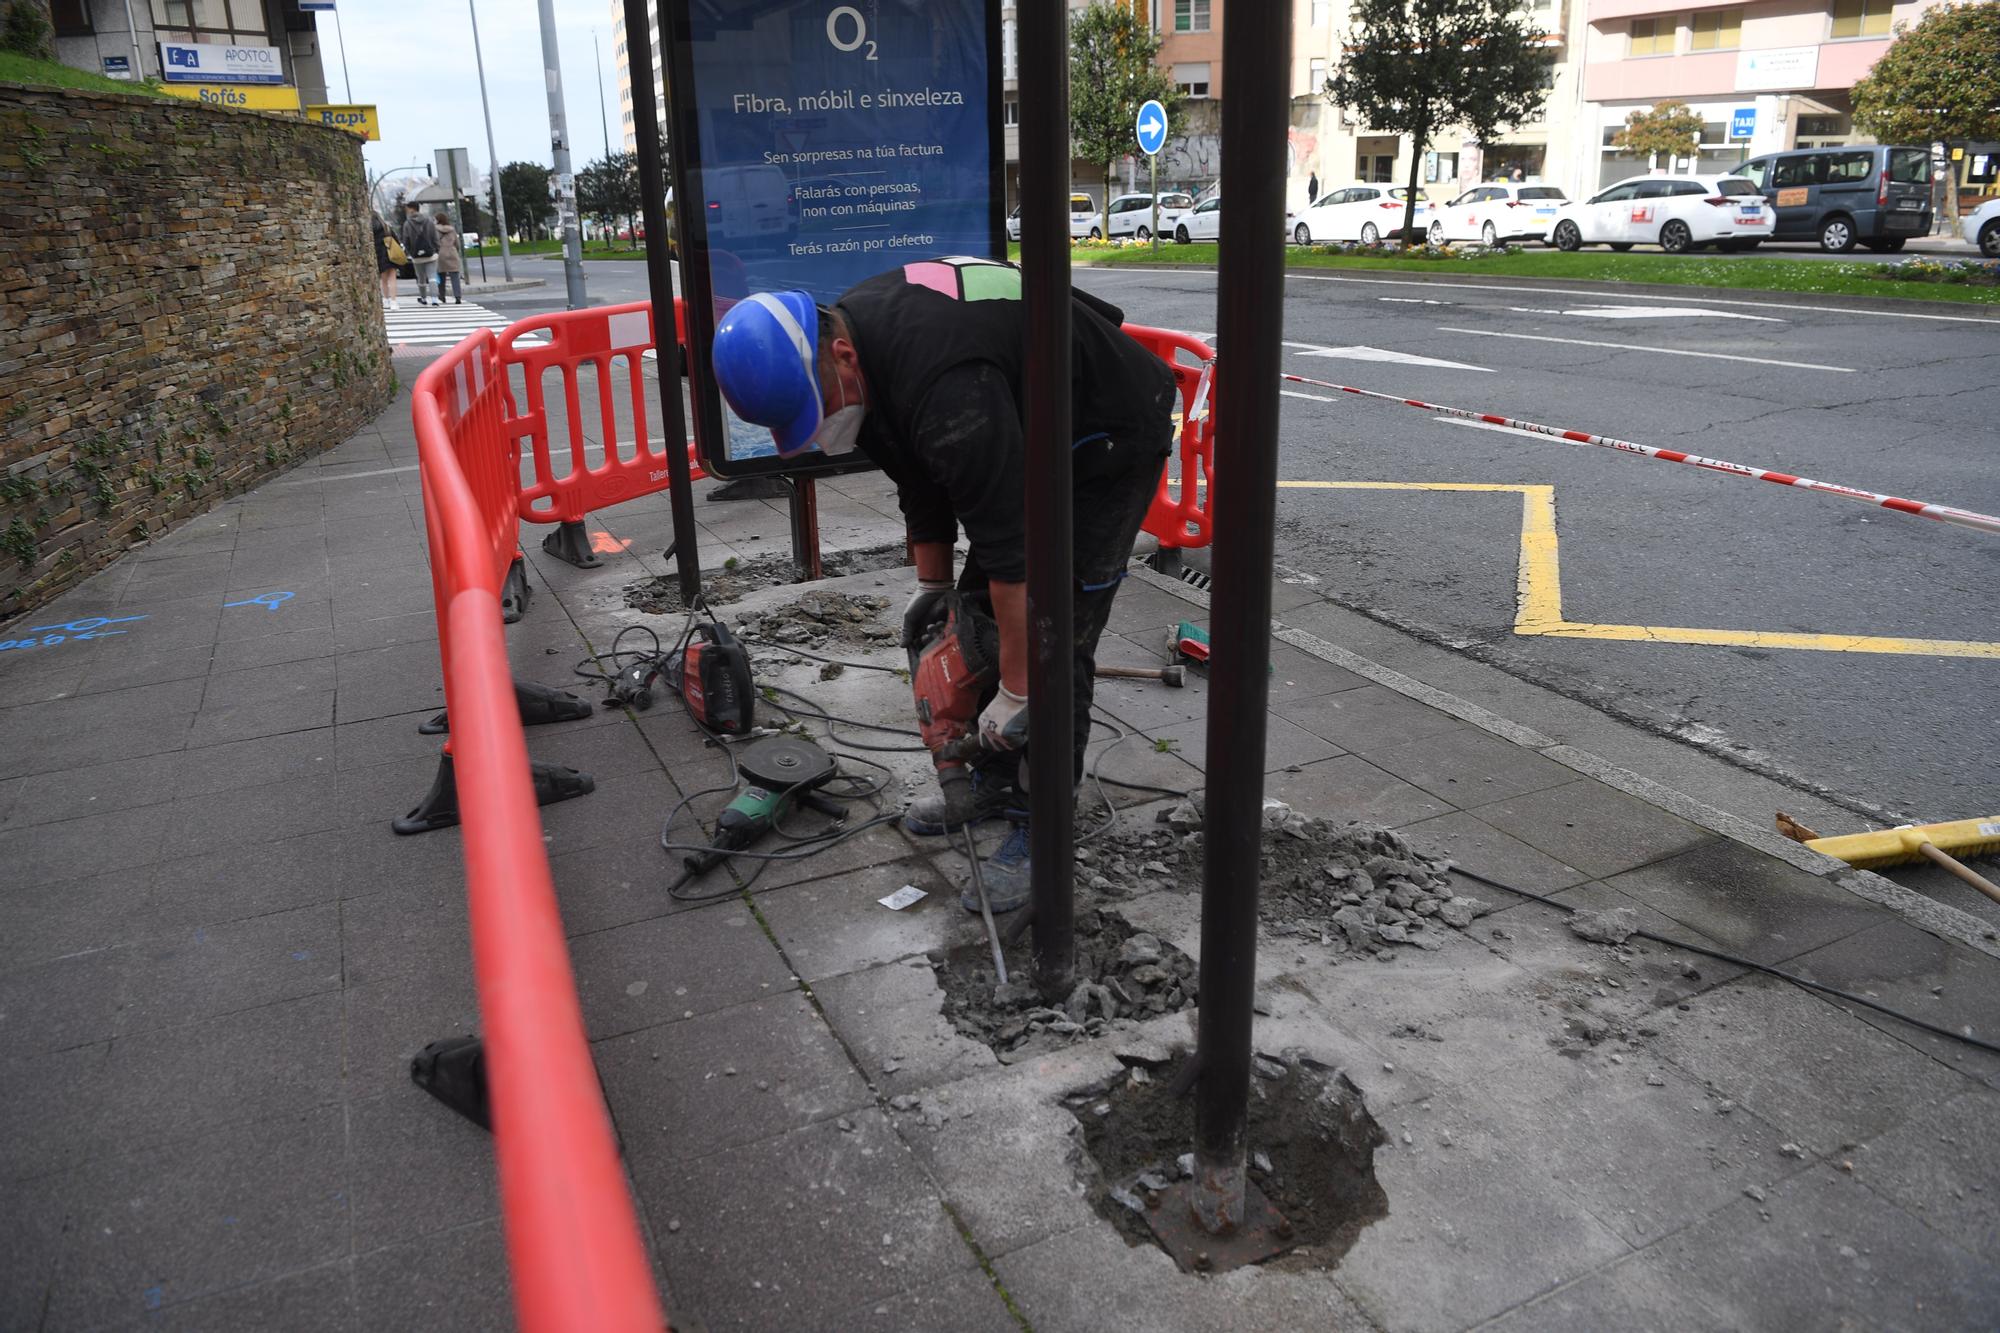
<point x="1113" y="483"/>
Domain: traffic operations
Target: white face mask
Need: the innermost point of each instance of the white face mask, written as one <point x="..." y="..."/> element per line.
<point x="836" y="434"/>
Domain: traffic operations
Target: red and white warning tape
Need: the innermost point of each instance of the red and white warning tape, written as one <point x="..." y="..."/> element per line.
<point x="1943" y="513"/>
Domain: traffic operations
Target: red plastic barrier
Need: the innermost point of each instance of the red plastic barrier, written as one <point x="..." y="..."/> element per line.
<point x="613" y="341"/>
<point x="573" y="1243"/>
<point x="1179" y="516"/>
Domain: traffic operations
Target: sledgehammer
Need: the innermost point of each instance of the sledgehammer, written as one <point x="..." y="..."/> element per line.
<point x="1165" y="675"/>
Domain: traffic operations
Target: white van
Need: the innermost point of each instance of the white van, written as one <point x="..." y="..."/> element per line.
<point x="753" y="203"/>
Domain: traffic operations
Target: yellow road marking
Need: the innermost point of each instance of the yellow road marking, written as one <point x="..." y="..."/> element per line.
<point x="1539" y="590"/>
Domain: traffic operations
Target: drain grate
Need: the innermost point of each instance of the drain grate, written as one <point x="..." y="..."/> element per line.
<point x="1194" y="578"/>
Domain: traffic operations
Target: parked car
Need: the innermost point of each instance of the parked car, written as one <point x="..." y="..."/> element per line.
<point x="1877" y="195"/>
<point x="1132" y="214"/>
<point x="1982" y="228"/>
<point x="1365" y="213"/>
<point x="1083" y="219"/>
<point x="1203" y="222"/>
<point x="1492" y="214"/>
<point x="1677" y="213"/>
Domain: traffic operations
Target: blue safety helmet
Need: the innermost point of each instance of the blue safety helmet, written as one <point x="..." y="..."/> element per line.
<point x="766" y="359"/>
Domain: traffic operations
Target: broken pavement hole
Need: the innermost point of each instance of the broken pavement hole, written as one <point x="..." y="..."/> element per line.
<point x="1311" y="1143"/>
<point x="1121" y="974"/>
<point x="726" y="584"/>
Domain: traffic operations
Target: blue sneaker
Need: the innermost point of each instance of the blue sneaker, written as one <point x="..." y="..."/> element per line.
<point x="1005" y="874"/>
<point x="927" y="817"/>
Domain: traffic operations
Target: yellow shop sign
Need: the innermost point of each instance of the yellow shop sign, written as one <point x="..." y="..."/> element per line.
<point x="360" y="120"/>
<point x="242" y="96"/>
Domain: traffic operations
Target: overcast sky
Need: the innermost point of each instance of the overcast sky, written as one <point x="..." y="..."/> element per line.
<point x="414" y="62"/>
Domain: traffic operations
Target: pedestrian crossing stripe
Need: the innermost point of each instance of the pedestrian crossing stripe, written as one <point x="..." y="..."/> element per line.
<point x="444" y="325"/>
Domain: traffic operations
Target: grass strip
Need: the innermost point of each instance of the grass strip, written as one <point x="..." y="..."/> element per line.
<point x="17" y="68"/>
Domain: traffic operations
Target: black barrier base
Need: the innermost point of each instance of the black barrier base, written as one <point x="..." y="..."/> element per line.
<point x="514" y="592"/>
<point x="752" y="488"/>
<point x="570" y="543"/>
<point x="453" y="1070"/>
<point x="439" y="808"/>
<point x="539" y="705"/>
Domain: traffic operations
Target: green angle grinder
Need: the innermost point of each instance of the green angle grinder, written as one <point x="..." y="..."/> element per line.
<point x="775" y="771"/>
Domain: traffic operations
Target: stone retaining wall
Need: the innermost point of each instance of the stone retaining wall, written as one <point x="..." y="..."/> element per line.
<point x="188" y="305"/>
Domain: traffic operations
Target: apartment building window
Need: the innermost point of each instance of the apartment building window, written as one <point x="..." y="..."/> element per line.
<point x="1010" y="51"/>
<point x="1192" y="80"/>
<point x="1322" y="13"/>
<point x="1861" y="18"/>
<point x="1653" y="37"/>
<point x="1010" y="112"/>
<point x="71" y="17"/>
<point x="1717" y="30"/>
<point x="1315" y="77"/>
<point x="1191" y="16"/>
<point x="225" y="22"/>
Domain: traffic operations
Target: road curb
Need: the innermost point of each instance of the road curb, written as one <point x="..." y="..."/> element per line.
<point x="1925" y="914"/>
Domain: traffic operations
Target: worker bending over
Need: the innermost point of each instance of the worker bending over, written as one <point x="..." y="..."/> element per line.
<point x="922" y="369"/>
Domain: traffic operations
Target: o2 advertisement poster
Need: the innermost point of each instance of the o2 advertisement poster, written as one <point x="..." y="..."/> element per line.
<point x="820" y="144"/>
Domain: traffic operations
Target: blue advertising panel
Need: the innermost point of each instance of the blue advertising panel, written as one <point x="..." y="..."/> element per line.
<point x="816" y="144"/>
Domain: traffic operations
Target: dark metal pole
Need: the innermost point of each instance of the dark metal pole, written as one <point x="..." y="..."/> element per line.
<point x="660" y="280"/>
<point x="805" y="529"/>
<point x="1045" y="294"/>
<point x="1250" y="296"/>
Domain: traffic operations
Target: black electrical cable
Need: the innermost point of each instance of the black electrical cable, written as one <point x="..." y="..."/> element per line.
<point x="1736" y="960"/>
<point x="817" y="657"/>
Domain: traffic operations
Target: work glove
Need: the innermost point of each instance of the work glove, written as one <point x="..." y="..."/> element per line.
<point x="921" y="608"/>
<point x="1003" y="724"/>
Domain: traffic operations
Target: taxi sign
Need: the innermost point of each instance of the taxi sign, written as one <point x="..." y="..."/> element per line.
<point x="1151" y="128"/>
<point x="360" y="120"/>
<point x="242" y="97"/>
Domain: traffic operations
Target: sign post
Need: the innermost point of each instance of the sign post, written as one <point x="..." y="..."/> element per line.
<point x="1151" y="129"/>
<point x="1743" y="126"/>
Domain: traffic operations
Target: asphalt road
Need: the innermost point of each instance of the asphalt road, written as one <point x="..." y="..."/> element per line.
<point x="1887" y="403"/>
<point x="1844" y="393"/>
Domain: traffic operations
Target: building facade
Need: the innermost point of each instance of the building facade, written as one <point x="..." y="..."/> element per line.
<point x="121" y="38"/>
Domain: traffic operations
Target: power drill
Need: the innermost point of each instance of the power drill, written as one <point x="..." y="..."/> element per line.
<point x="950" y="672"/>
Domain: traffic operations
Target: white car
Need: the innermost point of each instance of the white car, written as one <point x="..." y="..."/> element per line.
<point x="1676" y="213"/>
<point x="1496" y="213"/>
<point x="1083" y="219"/>
<point x="1365" y="213"/>
<point x="1132" y="214"/>
<point x="1204" y="222"/>
<point x="1982" y="228"/>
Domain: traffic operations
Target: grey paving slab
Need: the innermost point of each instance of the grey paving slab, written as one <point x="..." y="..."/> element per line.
<point x="373" y="857"/>
<point x="1471" y="842"/>
<point x="607" y="751"/>
<point x="258" y="762"/>
<point x="447" y="1282"/>
<point x="1470" y="768"/>
<point x="964" y="1303"/>
<point x="273" y="650"/>
<point x="1285" y="743"/>
<point x="1802" y="1064"/>
<point x="249" y="721"/>
<point x="389" y="1021"/>
<point x="658" y="971"/>
<point x="674" y="1098"/>
<point x="195" y="972"/>
<point x="90" y="844"/>
<point x="122" y="667"/>
<point x="1091" y="1279"/>
<point x="370" y="798"/>
<point x="1368" y="718"/>
<point x="1939" y="1167"/>
<point x="66" y="1001"/>
<point x="798" y="1230"/>
<point x="32" y="1235"/>
<point x="317" y="1300"/>
<point x="618" y="883"/>
<point x="270" y="812"/>
<point x="122" y="784"/>
<point x="384" y="740"/>
<point x="1830" y="1246"/>
<point x="1936" y="980"/>
<point x="49" y="919"/>
<point x="119" y="724"/>
<point x="891" y="1020"/>
<point x="1628" y="1295"/>
<point x="1750" y="903"/>
<point x="230" y="689"/>
<point x="378" y="682"/>
<point x="244" y="880"/>
<point x="389" y="631"/>
<point x="1588" y="825"/>
<point x="416" y="1167"/>
<point x="836" y="925"/>
<point x="173" y="1224"/>
<point x="48" y="1104"/>
<point x="1348" y="788"/>
<point x="171" y="1083"/>
<point x="402" y="928"/>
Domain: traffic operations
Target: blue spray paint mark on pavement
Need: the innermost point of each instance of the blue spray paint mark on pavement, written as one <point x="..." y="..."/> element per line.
<point x="154" y="1295"/>
<point x="89" y="627"/>
<point x="270" y="601"/>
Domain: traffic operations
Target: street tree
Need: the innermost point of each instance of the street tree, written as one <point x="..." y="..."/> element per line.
<point x="1111" y="75"/>
<point x="1938" y="82"/>
<point x="618" y="186"/>
<point x="1416" y="67"/>
<point x="524" y="189"/>
<point x="1667" y="130"/>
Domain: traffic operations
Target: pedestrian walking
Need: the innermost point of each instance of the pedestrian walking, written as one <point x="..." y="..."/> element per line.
<point x="448" y="261"/>
<point x="420" y="239"/>
<point x="921" y="368"/>
<point x="385" y="264"/>
<point x="1312" y="188"/>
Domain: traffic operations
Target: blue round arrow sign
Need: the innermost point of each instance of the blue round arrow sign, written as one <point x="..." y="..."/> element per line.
<point x="1151" y="127"/>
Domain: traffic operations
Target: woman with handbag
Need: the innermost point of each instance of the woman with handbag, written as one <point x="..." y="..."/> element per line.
<point x="386" y="264"/>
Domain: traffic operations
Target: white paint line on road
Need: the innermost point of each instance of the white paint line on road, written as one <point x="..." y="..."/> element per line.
<point x="1510" y="430"/>
<point x="1571" y="291"/>
<point x="1644" y="312"/>
<point x="1662" y="351"/>
<point x="348" y="476"/>
<point x="1309" y="397"/>
<point x="1411" y="300"/>
<point x="1380" y="354"/>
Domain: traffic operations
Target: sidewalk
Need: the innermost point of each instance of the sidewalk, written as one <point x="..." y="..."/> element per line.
<point x="216" y="962"/>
